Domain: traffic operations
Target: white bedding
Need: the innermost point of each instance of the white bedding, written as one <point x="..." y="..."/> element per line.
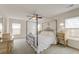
<point x="45" y="39"/>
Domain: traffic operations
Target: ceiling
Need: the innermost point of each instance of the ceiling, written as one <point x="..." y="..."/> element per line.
<point x="22" y="10"/>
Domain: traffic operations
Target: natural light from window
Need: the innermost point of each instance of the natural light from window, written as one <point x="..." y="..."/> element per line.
<point x="72" y="23"/>
<point x="0" y="27"/>
<point x="72" y="27"/>
<point x="16" y="28"/>
<point x="39" y="27"/>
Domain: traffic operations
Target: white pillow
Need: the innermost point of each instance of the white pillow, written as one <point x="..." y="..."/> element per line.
<point x="44" y="33"/>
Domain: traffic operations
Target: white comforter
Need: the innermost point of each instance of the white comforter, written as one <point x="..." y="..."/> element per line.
<point x="45" y="39"/>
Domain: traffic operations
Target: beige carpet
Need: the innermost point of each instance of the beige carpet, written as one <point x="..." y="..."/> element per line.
<point x="59" y="49"/>
<point x="21" y="47"/>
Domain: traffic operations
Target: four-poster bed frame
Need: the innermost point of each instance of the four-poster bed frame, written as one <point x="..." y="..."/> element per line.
<point x="37" y="18"/>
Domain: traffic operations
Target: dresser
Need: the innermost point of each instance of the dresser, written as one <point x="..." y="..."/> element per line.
<point x="6" y="43"/>
<point x="61" y="38"/>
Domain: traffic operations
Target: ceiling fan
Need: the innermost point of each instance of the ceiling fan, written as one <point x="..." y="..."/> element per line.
<point x="34" y="15"/>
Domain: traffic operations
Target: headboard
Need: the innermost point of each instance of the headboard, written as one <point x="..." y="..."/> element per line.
<point x="49" y="29"/>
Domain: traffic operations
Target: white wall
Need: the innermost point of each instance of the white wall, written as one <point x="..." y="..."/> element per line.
<point x="31" y="27"/>
<point x="1" y="20"/>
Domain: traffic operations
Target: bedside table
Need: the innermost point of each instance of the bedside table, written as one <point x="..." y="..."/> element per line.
<point x="61" y="38"/>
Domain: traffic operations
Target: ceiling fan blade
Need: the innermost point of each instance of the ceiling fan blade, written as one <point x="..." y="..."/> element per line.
<point x="40" y="17"/>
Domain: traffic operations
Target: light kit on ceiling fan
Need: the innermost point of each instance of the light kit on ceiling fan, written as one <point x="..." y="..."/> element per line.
<point x="36" y="16"/>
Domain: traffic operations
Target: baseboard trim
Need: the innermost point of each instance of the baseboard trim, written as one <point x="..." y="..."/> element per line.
<point x="73" y="47"/>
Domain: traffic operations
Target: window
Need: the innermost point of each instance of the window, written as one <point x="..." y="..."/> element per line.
<point x="72" y="23"/>
<point x="39" y="27"/>
<point x="1" y="27"/>
<point x="16" y="28"/>
<point x="72" y="26"/>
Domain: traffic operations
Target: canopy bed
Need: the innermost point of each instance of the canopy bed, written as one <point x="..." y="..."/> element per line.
<point x="38" y="37"/>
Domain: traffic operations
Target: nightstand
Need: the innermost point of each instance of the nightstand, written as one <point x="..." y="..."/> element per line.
<point x="61" y="38"/>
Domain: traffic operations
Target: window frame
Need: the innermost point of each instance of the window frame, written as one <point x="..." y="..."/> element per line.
<point x="72" y="27"/>
<point x="18" y="28"/>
